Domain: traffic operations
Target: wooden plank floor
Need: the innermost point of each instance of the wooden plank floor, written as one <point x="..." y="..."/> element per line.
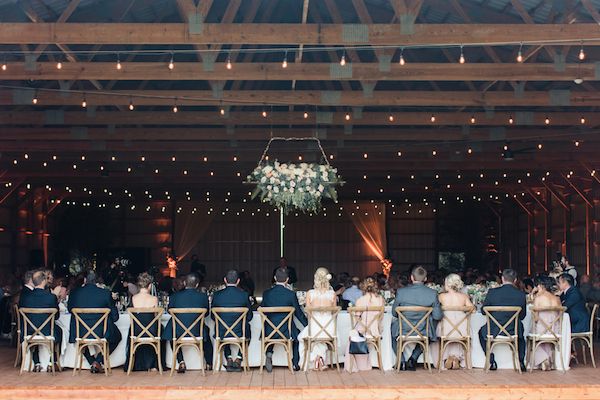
<point x="580" y="383"/>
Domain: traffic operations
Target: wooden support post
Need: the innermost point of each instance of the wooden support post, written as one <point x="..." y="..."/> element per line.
<point x="529" y="230"/>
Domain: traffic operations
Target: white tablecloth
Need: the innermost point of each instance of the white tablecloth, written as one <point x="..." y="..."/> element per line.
<point x="117" y="357"/>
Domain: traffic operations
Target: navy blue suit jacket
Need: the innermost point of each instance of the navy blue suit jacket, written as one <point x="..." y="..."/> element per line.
<point x="187" y="298"/>
<point x="578" y="313"/>
<point x="506" y="296"/>
<point x="280" y="296"/>
<point x="91" y="296"/>
<point x="40" y="298"/>
<point x="232" y="296"/>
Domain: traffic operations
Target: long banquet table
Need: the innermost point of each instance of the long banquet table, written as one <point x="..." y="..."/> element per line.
<point x="118" y="356"/>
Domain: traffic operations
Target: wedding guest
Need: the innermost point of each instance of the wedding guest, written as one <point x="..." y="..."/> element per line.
<point x="231" y="297"/>
<point x="145" y="357"/>
<point x="190" y="297"/>
<point x="40" y="298"/>
<point x="59" y="289"/>
<point x="416" y="294"/>
<point x="572" y="298"/>
<point x="321" y="295"/>
<point x="509" y="296"/>
<point x="340" y="283"/>
<point x="528" y="285"/>
<point x="370" y="298"/>
<point x="280" y="296"/>
<point x="91" y="296"/>
<point x="544" y="297"/>
<point x="569" y="269"/>
<point x="454" y="354"/>
<point x="197" y="267"/>
<point x="246" y="283"/>
<point x="28" y="280"/>
<point x="290" y="270"/>
<point x="352" y="293"/>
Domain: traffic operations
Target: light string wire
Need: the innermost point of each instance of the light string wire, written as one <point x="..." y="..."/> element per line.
<point x="268" y="50"/>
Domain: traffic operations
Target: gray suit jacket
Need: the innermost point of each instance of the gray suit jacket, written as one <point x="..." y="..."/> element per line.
<point x="416" y="295"/>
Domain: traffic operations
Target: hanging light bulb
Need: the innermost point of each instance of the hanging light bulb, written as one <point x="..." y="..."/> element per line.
<point x="581" y="53"/>
<point x="462" y="55"/>
<point x="402" y="62"/>
<point x="343" y="59"/>
<point x="171" y="63"/>
<point x="577" y="143"/>
<point x="228" y="65"/>
<point x="264" y="114"/>
<point x="432" y="118"/>
<point x="582" y="120"/>
<point x="119" y="62"/>
<point x="4" y="67"/>
<point x="547" y="121"/>
<point x="520" y="54"/>
<point x="470" y="150"/>
<point x="284" y="63"/>
<point x="539" y="146"/>
<point x="84" y="102"/>
<point x="131" y="107"/>
<point x="347" y="117"/>
<point x="35" y="98"/>
<point x="175" y="109"/>
<point x="305" y="115"/>
<point x="222" y="111"/>
<point x="59" y="65"/>
<point x="391" y="118"/>
<point x="510" y="119"/>
<point x="473" y="120"/>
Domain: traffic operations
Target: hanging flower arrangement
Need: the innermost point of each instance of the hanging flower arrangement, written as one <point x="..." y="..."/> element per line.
<point x="290" y="186"/>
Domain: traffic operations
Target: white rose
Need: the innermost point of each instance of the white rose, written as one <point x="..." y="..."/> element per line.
<point x="263" y="179"/>
<point x="301" y="190"/>
<point x="308" y="181"/>
<point x="292" y="183"/>
<point x="291" y="190"/>
<point x="272" y="180"/>
<point x="267" y="169"/>
<point x="276" y="189"/>
<point x="304" y="165"/>
<point x="269" y="187"/>
<point x="321" y="188"/>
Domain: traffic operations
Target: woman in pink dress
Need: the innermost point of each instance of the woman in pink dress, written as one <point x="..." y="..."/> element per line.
<point x="370" y="298"/>
<point x="543" y="298"/>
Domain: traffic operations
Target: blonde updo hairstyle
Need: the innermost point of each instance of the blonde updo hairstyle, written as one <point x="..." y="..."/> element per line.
<point x="369" y="285"/>
<point x="454" y="282"/>
<point x="144" y="280"/>
<point x="322" y="278"/>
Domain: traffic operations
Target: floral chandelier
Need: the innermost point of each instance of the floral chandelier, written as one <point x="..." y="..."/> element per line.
<point x="290" y="186"/>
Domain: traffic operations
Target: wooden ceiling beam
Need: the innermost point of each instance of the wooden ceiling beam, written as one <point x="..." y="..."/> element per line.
<point x="387" y="98"/>
<point x="522" y="125"/>
<point x="285" y="34"/>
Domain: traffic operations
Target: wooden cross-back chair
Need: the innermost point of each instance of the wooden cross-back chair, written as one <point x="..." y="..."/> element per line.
<point x="550" y="332"/>
<point x="414" y="334"/>
<point x="317" y="333"/>
<point x="450" y="332"/>
<point x="221" y="338"/>
<point x="146" y="335"/>
<point x="89" y="337"/>
<point x="276" y="337"/>
<point x="503" y="336"/>
<point x="187" y="338"/>
<point x="16" y="328"/>
<point x="359" y="320"/>
<point x="36" y="337"/>
<point x="587" y="338"/>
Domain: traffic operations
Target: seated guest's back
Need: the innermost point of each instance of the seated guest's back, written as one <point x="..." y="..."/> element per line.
<point x="544" y="298"/>
<point x="39" y="297"/>
<point x="232" y="297"/>
<point x="506" y="295"/>
<point x="574" y="301"/>
<point x="189" y="297"/>
<point x="353" y="293"/>
<point x="416" y="294"/>
<point x="91" y="296"/>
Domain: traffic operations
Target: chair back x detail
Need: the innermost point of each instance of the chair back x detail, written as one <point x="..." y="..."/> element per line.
<point x="452" y="332"/>
<point x="225" y="334"/>
<point x="414" y="334"/>
<point x="276" y="336"/>
<point x="503" y="336"/>
<point x="144" y="334"/>
<point x="90" y="338"/>
<point x="317" y="332"/>
<point x="363" y="319"/>
<point x="33" y="334"/>
<point x="550" y="332"/>
<point x="188" y="338"/>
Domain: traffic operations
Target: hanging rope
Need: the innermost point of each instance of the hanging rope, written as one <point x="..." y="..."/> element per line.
<point x="293" y="139"/>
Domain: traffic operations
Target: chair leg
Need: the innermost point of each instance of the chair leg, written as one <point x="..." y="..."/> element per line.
<point x="19" y="352"/>
<point x="131" y="357"/>
<point x="591" y="346"/>
<point x="440" y="354"/>
<point x="51" y="348"/>
<point x="217" y="361"/>
<point x="583" y="342"/>
<point x="175" y="348"/>
<point x="23" y="359"/>
<point x="379" y="357"/>
<point x="335" y="352"/>
<point x="262" y="355"/>
<point x="202" y="360"/>
<point x="486" y="366"/>
<point x="107" y="370"/>
<point x="158" y="358"/>
<point x="306" y="352"/>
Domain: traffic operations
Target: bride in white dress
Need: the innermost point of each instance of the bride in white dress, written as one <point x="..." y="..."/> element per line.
<point x="322" y="295"/>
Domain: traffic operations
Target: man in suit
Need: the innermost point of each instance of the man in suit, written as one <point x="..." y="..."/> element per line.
<point x="39" y="297"/>
<point x="189" y="297"/>
<point x="293" y="278"/>
<point x="232" y="297"/>
<point x="573" y="300"/>
<point x="506" y="295"/>
<point x="197" y="267"/>
<point x="416" y="294"/>
<point x="280" y="296"/>
<point x="91" y="296"/>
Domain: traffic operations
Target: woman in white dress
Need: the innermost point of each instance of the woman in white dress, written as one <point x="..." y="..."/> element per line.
<point x="454" y="353"/>
<point x="322" y="295"/>
<point x="544" y="298"/>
